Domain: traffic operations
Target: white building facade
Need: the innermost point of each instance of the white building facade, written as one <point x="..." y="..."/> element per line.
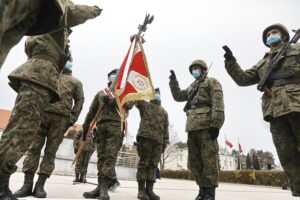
<point x="180" y="161"/>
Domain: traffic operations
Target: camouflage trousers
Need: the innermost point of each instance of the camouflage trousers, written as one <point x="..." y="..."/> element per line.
<point x="12" y="12"/>
<point x="203" y="158"/>
<point x="108" y="141"/>
<point x="286" y="137"/>
<point x="83" y="161"/>
<point x="23" y="124"/>
<point x="51" y="131"/>
<point x="149" y="153"/>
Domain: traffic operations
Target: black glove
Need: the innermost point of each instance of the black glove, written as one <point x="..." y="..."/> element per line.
<point x="213" y="132"/>
<point x="84" y="134"/>
<point x="106" y="99"/>
<point x="172" y="76"/>
<point x="228" y="53"/>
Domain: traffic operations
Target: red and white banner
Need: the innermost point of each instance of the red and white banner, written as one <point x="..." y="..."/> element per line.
<point x="228" y="143"/>
<point x="240" y="148"/>
<point x="133" y="81"/>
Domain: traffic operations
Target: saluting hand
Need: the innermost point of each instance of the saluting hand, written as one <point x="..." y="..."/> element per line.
<point x="172" y="76"/>
<point x="228" y="53"/>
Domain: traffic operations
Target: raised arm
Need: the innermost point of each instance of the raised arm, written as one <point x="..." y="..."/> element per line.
<point x="241" y="77"/>
<point x="177" y="93"/>
<point x="78" y="14"/>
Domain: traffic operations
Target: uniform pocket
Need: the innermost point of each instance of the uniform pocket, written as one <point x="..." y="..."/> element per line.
<point x="198" y="119"/>
<point x="293" y="96"/>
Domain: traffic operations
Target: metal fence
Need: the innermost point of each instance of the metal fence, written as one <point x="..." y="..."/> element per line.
<point x="126" y="159"/>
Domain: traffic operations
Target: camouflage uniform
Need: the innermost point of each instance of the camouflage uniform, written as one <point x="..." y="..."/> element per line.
<point x="282" y="109"/>
<point x="152" y="137"/>
<point x="109" y="137"/>
<point x="36" y="86"/>
<point x="86" y="153"/>
<point x="37" y="83"/>
<point x="34" y="17"/>
<point x="205" y="112"/>
<point x="55" y="122"/>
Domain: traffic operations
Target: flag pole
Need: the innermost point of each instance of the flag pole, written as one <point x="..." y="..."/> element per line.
<point x="225" y="149"/>
<point x="240" y="163"/>
<point x="225" y="145"/>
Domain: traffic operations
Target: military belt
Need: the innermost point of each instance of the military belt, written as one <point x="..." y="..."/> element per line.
<point x="198" y="105"/>
<point x="281" y="82"/>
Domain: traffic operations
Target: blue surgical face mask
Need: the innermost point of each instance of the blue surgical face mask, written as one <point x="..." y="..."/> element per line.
<point x="68" y="66"/>
<point x="157" y="97"/>
<point x="196" y="73"/>
<point x="274" y="38"/>
<point x="112" y="77"/>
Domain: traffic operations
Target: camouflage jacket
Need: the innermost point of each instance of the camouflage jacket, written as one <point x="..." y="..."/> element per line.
<point x="154" y="124"/>
<point x="71" y="89"/>
<point x="89" y="142"/>
<point x="208" y="109"/>
<point x="286" y="97"/>
<point x="39" y="17"/>
<point x="110" y="111"/>
<point x="46" y="54"/>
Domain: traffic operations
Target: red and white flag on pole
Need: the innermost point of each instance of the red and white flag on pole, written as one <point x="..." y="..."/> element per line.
<point x="133" y="81"/>
<point x="240" y="148"/>
<point x="228" y="143"/>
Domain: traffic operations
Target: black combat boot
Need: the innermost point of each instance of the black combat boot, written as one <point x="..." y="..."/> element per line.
<point x="83" y="177"/>
<point x="39" y="191"/>
<point x="94" y="194"/>
<point x="114" y="185"/>
<point x="209" y="193"/>
<point x="104" y="191"/>
<point x="149" y="190"/>
<point x="201" y="194"/>
<point x="142" y="191"/>
<point x="294" y="192"/>
<point x="5" y="192"/>
<point x="76" y="179"/>
<point x="26" y="189"/>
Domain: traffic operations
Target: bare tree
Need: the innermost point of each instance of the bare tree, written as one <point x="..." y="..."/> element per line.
<point x="170" y="152"/>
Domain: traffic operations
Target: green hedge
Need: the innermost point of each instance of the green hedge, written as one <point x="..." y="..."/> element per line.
<point x="253" y="177"/>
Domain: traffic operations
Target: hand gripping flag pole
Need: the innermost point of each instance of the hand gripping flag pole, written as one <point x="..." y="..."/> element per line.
<point x="89" y="132"/>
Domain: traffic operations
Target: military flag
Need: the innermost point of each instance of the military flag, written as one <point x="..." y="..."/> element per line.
<point x="133" y="81"/>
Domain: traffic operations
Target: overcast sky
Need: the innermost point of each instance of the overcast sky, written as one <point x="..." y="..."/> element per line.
<point x="181" y="32"/>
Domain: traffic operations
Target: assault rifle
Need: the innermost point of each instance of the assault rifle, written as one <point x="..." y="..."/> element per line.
<point x="187" y="105"/>
<point x="262" y="85"/>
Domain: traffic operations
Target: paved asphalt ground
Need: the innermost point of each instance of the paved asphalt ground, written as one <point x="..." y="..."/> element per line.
<point x="61" y="187"/>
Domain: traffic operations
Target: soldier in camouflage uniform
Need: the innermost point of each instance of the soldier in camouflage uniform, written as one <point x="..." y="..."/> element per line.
<point x="37" y="83"/>
<point x="31" y="17"/>
<point x="109" y="139"/>
<point x="205" y="117"/>
<point x="152" y="139"/>
<point x="85" y="155"/>
<point x="56" y="120"/>
<point x="282" y="108"/>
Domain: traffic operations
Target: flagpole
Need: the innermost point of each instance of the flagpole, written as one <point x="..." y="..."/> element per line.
<point x="226" y="159"/>
<point x="240" y="163"/>
<point x="225" y="145"/>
